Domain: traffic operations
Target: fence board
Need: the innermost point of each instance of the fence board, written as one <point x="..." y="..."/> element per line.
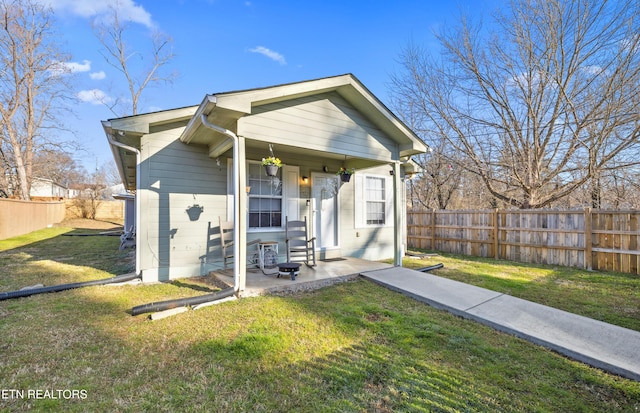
<point x="592" y="239"/>
<point x="19" y="217"/>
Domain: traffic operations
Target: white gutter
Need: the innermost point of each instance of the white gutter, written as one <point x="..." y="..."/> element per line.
<point x="236" y="203"/>
<point x="114" y="142"/>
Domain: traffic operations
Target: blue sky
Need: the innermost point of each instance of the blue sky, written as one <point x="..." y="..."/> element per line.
<point x="225" y="45"/>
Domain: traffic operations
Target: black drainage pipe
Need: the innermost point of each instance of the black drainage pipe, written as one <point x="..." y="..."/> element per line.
<point x="62" y="287"/>
<point x="181" y="302"/>
<point x="433" y="267"/>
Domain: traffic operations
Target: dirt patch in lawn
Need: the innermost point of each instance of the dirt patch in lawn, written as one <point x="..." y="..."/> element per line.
<point x="84" y="223"/>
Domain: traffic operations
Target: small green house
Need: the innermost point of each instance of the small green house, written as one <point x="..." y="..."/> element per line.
<point x="193" y="167"/>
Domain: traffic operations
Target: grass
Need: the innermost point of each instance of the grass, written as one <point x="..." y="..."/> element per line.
<point x="353" y="347"/>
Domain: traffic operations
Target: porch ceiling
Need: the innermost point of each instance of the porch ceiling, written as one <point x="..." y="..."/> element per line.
<point x="296" y="155"/>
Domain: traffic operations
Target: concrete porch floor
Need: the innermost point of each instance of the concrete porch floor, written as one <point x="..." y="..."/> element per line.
<point x="323" y="274"/>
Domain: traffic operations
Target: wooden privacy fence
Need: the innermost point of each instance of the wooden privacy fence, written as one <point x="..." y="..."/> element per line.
<point x="106" y="210"/>
<point x="593" y="239"/>
<point x="21" y="217"/>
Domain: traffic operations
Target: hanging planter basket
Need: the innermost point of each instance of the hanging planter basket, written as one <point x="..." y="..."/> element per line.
<point x="345" y="174"/>
<point x="271" y="163"/>
<point x="271" y="170"/>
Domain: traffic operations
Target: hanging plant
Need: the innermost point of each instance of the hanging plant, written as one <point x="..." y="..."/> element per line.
<point x="271" y="164"/>
<point x="345" y="173"/>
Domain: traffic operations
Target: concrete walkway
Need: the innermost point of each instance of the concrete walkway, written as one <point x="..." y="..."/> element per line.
<point x="605" y="346"/>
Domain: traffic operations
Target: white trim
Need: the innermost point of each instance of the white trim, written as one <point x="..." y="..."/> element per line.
<point x="263" y="180"/>
<point x="230" y="190"/>
<point x="290" y="192"/>
<point x="315" y="212"/>
<point x="290" y="175"/>
<point x="361" y="200"/>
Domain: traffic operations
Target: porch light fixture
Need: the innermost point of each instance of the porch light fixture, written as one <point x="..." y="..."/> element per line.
<point x="305" y="179"/>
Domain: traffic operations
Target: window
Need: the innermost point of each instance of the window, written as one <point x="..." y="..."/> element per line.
<point x="375" y="199"/>
<point x="265" y="198"/>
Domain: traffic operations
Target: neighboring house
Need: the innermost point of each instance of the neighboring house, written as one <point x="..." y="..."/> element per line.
<point x="182" y="167"/>
<point x="47" y="189"/>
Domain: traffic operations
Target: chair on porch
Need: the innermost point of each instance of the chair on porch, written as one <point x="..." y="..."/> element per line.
<point x="226" y="242"/>
<point x="300" y="248"/>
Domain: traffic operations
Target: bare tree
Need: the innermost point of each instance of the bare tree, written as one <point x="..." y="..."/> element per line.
<point x="540" y="103"/>
<point x="435" y="187"/>
<point x="616" y="189"/>
<point x="140" y="70"/>
<point x="92" y="194"/>
<point x="59" y="167"/>
<point x="33" y="87"/>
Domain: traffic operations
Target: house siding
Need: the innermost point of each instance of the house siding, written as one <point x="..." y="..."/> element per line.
<point x="315" y="132"/>
<point x="324" y="123"/>
<point x="177" y="177"/>
<point x="369" y="242"/>
<point x="47" y="188"/>
<point x="182" y="176"/>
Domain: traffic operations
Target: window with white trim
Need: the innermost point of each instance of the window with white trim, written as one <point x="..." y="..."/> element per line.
<point x="375" y="200"/>
<point x="265" y="197"/>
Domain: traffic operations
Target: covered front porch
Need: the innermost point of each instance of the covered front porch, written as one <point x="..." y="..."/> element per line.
<point x="316" y="130"/>
<point x="326" y="272"/>
<point x="195" y="168"/>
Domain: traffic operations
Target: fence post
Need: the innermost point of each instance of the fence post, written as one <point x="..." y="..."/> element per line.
<point x="588" y="242"/>
<point x="496" y="233"/>
<point x="432" y="241"/>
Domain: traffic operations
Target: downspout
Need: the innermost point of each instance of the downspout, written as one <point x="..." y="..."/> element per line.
<point x="236" y="203"/>
<point x="64" y="287"/>
<point x="113" y="142"/>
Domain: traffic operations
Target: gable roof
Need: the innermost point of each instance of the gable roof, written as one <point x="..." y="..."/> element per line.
<point x="224" y="110"/>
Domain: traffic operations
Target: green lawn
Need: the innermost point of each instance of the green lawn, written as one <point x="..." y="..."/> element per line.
<point x="610" y="297"/>
<point x="353" y="347"/>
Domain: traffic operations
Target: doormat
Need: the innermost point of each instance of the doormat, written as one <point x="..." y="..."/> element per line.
<point x="333" y="259"/>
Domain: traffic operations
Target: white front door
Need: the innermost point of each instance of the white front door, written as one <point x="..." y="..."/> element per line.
<point x="325" y="196"/>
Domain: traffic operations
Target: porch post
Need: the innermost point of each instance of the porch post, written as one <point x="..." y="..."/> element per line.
<point x="241" y="193"/>
<point x="397" y="215"/>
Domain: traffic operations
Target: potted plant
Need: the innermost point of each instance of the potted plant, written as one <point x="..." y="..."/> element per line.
<point x="271" y="165"/>
<point x="345" y="173"/>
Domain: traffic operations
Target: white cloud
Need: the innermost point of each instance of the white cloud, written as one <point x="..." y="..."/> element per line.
<point x="66" y="68"/>
<point x="128" y="10"/>
<point x="594" y="70"/>
<point x="524" y="80"/>
<point x="94" y="96"/>
<point x="275" y="56"/>
<point x="75" y="67"/>
<point x="98" y="75"/>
